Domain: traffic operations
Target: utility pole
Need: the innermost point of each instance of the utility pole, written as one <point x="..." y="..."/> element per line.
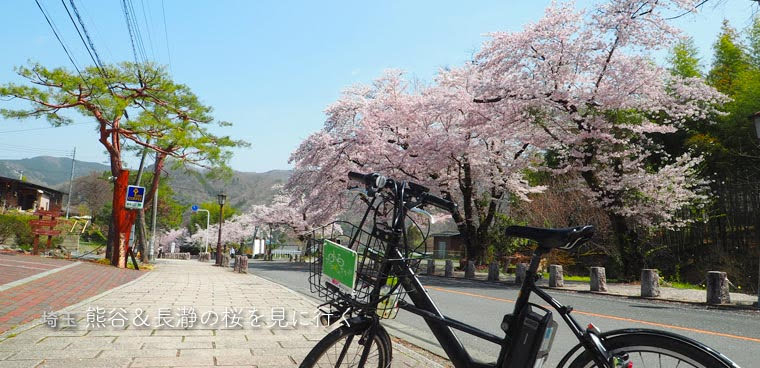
<point x="71" y="182"/>
<point x="153" y="227"/>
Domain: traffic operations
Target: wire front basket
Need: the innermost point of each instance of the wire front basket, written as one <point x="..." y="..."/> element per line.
<point x="377" y="277"/>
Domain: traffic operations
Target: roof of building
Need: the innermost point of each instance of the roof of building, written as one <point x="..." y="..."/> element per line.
<point x="31" y="185"/>
<point x="447" y="233"/>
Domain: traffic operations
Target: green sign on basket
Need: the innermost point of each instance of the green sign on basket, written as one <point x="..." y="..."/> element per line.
<point x="339" y="265"/>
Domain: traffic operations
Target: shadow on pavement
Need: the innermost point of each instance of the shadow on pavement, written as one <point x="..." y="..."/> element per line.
<point x="278" y="266"/>
<point x="463" y="283"/>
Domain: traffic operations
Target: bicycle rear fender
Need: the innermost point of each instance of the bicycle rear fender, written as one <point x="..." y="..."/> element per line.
<point x="643" y="331"/>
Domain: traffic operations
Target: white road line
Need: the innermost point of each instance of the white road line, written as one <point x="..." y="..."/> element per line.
<point x="3" y="259"/>
<point x="27" y="267"/>
<point x="35" y="277"/>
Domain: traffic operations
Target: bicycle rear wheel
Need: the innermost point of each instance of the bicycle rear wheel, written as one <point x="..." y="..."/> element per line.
<point x="342" y="348"/>
<point x="656" y="349"/>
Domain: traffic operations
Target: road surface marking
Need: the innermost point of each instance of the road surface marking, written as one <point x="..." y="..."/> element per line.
<point x="598" y="315"/>
<point x="27" y="267"/>
<point x="35" y="277"/>
<point x="3" y="259"/>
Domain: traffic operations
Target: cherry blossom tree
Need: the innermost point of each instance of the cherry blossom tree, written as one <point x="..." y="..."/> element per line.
<point x="171" y="236"/>
<point x="435" y="136"/>
<point x="585" y="78"/>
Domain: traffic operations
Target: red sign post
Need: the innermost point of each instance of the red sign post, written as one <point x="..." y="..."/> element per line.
<point x="44" y="227"/>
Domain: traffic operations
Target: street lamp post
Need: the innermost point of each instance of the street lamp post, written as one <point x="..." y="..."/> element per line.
<point x="221" y="198"/>
<point x="208" y="223"/>
<point x="756" y="119"/>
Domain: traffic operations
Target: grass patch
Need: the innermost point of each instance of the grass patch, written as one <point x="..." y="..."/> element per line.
<point x="577" y="278"/>
<point x="682" y="285"/>
<point x="584" y="279"/>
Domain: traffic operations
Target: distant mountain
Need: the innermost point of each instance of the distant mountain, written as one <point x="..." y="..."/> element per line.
<point x="48" y="171"/>
<point x="243" y="190"/>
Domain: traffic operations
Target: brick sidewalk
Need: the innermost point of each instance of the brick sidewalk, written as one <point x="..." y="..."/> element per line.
<point x="14" y="266"/>
<point x="26" y="302"/>
<point x="176" y="284"/>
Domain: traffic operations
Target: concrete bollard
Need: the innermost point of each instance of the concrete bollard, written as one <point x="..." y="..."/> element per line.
<point x="520" y="271"/>
<point x="717" y="288"/>
<point x="204" y="257"/>
<point x="469" y="271"/>
<point x="431" y="267"/>
<point x="598" y="279"/>
<point x="556" y="277"/>
<point x="241" y="264"/>
<point x="493" y="271"/>
<point x="448" y="271"/>
<point x="506" y="267"/>
<point x="650" y="283"/>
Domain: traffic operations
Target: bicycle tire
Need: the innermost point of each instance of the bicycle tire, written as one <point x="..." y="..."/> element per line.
<point x="328" y="350"/>
<point x="649" y="348"/>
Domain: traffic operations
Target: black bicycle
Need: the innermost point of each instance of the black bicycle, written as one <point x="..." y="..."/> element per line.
<point x="381" y="268"/>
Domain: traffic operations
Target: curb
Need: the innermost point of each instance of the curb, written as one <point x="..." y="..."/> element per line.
<point x="732" y="307"/>
<point x="36" y="322"/>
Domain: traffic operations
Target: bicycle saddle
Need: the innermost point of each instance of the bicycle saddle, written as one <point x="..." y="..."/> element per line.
<point x="566" y="238"/>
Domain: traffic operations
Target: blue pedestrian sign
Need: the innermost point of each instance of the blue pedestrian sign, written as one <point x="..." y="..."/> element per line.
<point x="135" y="197"/>
<point x="194" y="208"/>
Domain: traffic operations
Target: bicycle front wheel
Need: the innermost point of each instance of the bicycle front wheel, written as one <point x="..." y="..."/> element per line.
<point x="343" y="347"/>
<point x="656" y="349"/>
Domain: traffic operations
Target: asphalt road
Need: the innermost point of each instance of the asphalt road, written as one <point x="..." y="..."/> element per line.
<point x="734" y="333"/>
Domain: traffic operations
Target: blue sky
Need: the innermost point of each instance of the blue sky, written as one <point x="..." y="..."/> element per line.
<point x="271" y="67"/>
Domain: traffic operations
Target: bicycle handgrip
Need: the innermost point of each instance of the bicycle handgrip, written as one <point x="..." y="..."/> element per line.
<point x="353" y="175"/>
<point x="373" y="180"/>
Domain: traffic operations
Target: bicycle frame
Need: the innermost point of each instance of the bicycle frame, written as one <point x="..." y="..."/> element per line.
<point x="441" y="326"/>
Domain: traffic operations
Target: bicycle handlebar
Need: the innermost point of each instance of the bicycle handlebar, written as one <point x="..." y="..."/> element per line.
<point x="377" y="181"/>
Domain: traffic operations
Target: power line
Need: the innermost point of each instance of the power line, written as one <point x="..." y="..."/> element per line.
<point x="87" y="34"/>
<point x="138" y="32"/>
<point x="31" y="129"/>
<point x="147" y="26"/>
<point x="94" y="60"/>
<point x="129" y="28"/>
<point x="166" y="34"/>
<point x="55" y="32"/>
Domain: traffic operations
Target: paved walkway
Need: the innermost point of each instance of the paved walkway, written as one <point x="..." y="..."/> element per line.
<point x="619" y="289"/>
<point x="24" y="300"/>
<point x="141" y="325"/>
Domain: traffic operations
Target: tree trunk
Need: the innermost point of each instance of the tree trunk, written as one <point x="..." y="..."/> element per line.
<point x="628" y="246"/>
<point x="141" y="234"/>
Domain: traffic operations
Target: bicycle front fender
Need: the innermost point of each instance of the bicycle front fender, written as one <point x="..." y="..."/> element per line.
<point x="684" y="339"/>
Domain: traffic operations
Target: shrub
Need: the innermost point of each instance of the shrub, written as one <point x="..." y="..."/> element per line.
<point x="191" y="248"/>
<point x="16" y="226"/>
<point x="94" y="236"/>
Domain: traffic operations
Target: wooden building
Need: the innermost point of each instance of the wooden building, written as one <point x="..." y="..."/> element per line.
<point x="21" y="195"/>
<point x="448" y="244"/>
